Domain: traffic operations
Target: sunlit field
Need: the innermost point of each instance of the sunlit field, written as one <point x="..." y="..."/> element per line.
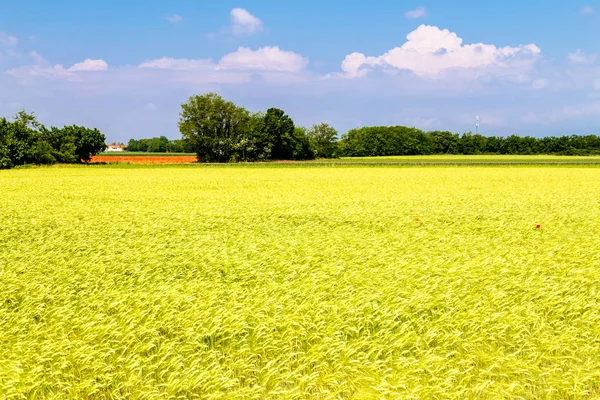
<point x="299" y="283"/>
<point x="475" y="159"/>
<point x="187" y="158"/>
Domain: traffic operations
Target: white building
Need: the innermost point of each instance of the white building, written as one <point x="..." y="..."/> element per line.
<point x="115" y="147"/>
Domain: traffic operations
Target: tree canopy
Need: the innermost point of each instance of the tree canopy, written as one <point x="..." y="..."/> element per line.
<point x="215" y="127"/>
<point x="323" y="140"/>
<point x="402" y="140"/>
<point x="26" y="141"/>
<point x="159" y="145"/>
<point x="220" y="131"/>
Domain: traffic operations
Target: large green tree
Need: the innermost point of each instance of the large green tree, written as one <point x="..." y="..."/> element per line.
<point x="20" y="138"/>
<point x="323" y="140"/>
<point x="221" y="131"/>
<point x="88" y="142"/>
<point x="279" y="134"/>
<point x="213" y="126"/>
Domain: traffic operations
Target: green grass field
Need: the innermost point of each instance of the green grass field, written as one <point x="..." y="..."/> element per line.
<point x="474" y="159"/>
<point x="299" y="283"/>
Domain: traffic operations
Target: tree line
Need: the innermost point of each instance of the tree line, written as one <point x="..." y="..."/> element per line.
<point x="218" y="130"/>
<point x="402" y="140"/>
<point x="23" y="140"/>
<point x="160" y="145"/>
<point x="221" y="131"/>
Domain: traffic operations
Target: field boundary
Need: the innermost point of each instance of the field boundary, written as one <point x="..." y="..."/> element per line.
<point x="352" y="164"/>
<point x="155" y="159"/>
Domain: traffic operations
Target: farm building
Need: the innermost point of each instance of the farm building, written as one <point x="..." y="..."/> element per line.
<point x="115" y="147"/>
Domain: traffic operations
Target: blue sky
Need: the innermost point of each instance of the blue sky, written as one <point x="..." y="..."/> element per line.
<point x="531" y="68"/>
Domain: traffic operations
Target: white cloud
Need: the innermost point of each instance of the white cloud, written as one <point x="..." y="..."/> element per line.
<point x="587" y="10"/>
<point x="430" y="50"/>
<point x="244" y="59"/>
<point x="33" y="71"/>
<point x="417" y="13"/>
<point x="264" y="59"/>
<point x="39" y="67"/>
<point x="243" y="23"/>
<point x="579" y="57"/>
<point x="175" y="18"/>
<point x="90" y="65"/>
<point x="178" y="64"/>
<point x="7" y="40"/>
<point x="42" y="68"/>
<point x="357" y="64"/>
<point x="540" y="83"/>
<point x="433" y="80"/>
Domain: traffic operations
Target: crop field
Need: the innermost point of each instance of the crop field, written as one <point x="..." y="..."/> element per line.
<point x="187" y="158"/>
<point x="145" y="159"/>
<point x="337" y="282"/>
<point x="475" y="159"/>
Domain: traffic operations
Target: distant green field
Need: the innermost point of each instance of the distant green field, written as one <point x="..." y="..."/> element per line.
<point x="472" y="159"/>
<point x="299" y="283"/>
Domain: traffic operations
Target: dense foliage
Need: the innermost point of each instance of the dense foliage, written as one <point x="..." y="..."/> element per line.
<point x="221" y="131"/>
<point x="25" y="141"/>
<point x="160" y="145"/>
<point x="323" y="140"/>
<point x="401" y="140"/>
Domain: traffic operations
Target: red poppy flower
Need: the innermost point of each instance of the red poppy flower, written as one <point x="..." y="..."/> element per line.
<point x="538" y="226"/>
<point x="417" y="219"/>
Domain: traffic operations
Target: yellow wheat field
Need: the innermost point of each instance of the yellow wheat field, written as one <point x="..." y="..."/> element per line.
<point x="299" y="283"/>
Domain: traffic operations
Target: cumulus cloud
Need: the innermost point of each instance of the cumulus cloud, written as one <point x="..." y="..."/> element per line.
<point x="430" y="50"/>
<point x="432" y="80"/>
<point x="417" y="13"/>
<point x="89" y="65"/>
<point x="243" y="23"/>
<point x="7" y="40"/>
<point x="264" y="59"/>
<point x="244" y="59"/>
<point x="579" y="57"/>
<point x="175" y="18"/>
<point x="33" y="71"/>
<point x="40" y="67"/>
<point x="587" y="10"/>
